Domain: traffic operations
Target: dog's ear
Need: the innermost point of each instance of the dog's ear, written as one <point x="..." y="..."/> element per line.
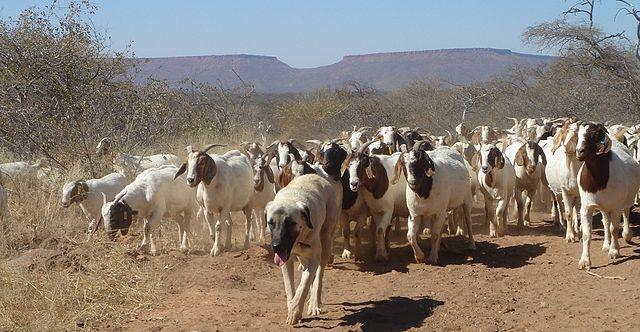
<point x="305" y="213"/>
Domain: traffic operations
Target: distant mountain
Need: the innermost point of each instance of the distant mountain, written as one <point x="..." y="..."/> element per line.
<point x="385" y="71"/>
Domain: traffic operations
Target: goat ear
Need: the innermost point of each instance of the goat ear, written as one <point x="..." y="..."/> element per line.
<point x="210" y="170"/>
<point x="499" y="161"/>
<point x="182" y="169"/>
<point x="475" y="160"/>
<point x="345" y="163"/>
<point x="369" y="169"/>
<point x="270" y="174"/>
<point x="570" y="147"/>
<point x="604" y="146"/>
<point x="431" y="168"/>
<point x="520" y="155"/>
<point x="541" y="154"/>
<point x="397" y="169"/>
<point x="475" y="137"/>
<point x="306" y="214"/>
<point x="400" y="139"/>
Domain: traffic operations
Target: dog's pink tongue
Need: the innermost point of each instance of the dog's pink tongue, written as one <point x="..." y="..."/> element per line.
<point x="279" y="258"/>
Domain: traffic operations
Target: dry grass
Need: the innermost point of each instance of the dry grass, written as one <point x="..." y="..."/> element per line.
<point x="51" y="278"/>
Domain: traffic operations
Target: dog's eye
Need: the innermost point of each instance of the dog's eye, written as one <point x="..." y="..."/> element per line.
<point x="271" y="223"/>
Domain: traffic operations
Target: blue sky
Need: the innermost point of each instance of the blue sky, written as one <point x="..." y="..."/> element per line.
<point x="316" y="33"/>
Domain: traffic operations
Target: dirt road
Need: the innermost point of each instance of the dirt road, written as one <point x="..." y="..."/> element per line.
<point x="525" y="281"/>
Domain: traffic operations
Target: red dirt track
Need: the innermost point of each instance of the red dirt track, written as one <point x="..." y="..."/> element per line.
<point x="528" y="280"/>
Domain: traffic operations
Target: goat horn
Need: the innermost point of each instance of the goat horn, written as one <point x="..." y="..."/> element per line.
<point x="210" y="146"/>
<point x="365" y="146"/>
<point x="314" y="141"/>
<point x="515" y="121"/>
<point x="270" y="146"/>
<point x="297" y="144"/>
<point x="363" y="129"/>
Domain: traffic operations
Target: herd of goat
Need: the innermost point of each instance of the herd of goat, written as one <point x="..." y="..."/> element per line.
<point x="304" y="192"/>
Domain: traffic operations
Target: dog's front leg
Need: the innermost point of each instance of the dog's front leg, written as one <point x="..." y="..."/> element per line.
<point x="297" y="304"/>
<point x="287" y="276"/>
<point x="315" y="299"/>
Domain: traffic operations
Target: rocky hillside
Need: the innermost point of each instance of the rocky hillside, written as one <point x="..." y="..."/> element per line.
<point x="385" y="71"/>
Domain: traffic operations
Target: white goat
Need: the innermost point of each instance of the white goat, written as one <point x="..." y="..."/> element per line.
<point x="264" y="191"/>
<point x="561" y="172"/>
<point x="526" y="157"/>
<point x="224" y="185"/>
<point x="608" y="181"/>
<point x="358" y="137"/>
<point x="88" y="195"/>
<point x="497" y="179"/>
<point x="285" y="151"/>
<point x="19" y="170"/>
<point x="390" y="136"/>
<point x="437" y="182"/>
<point x="153" y="195"/>
<point x="132" y="165"/>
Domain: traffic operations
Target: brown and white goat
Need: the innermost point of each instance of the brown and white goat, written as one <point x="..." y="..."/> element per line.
<point x="370" y="175"/>
<point x="608" y="181"/>
<point x="529" y="161"/>
<point x="497" y="179"/>
<point x="437" y="182"/>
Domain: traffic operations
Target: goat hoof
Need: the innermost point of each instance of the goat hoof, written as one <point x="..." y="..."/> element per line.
<point x="215" y="252"/>
<point x="584" y="264"/>
<point x="432" y="260"/>
<point x="382" y="258"/>
<point x="605" y="248"/>
<point x="614" y="253"/>
<point x="346" y="254"/>
<point x="627" y="236"/>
